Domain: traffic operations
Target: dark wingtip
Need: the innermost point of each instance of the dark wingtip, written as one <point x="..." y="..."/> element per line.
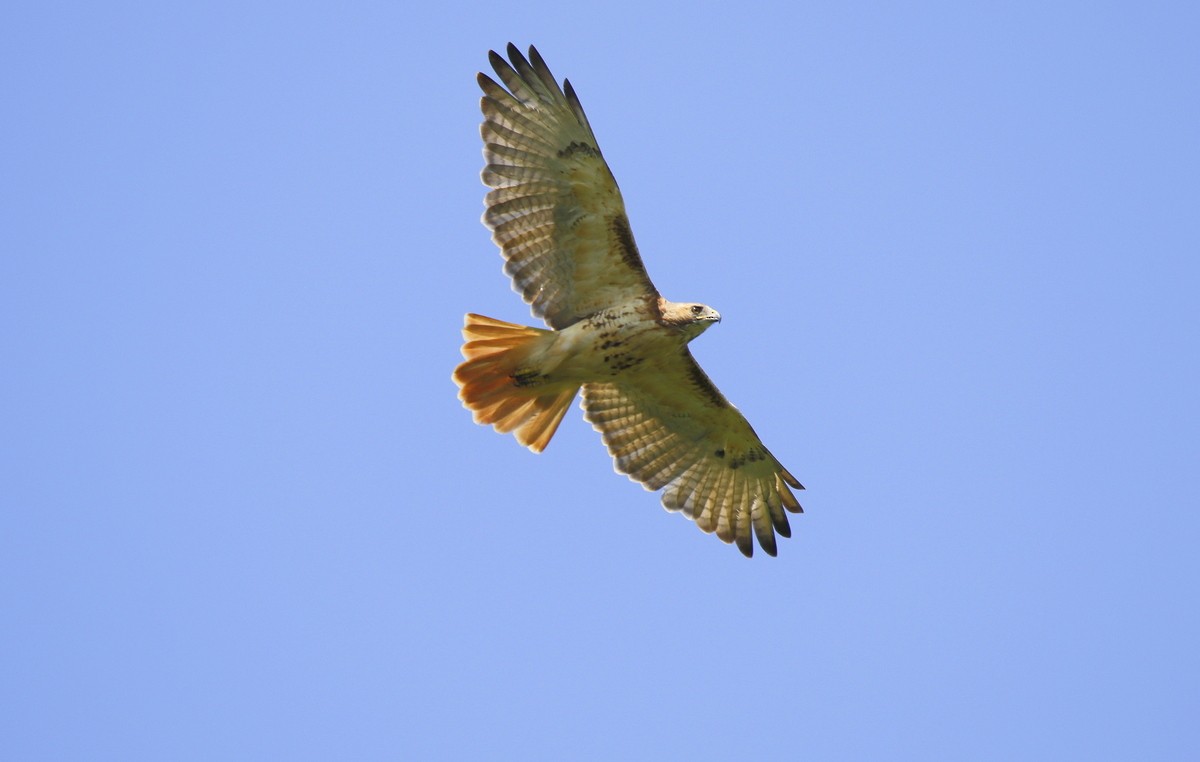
<point x="791" y="480"/>
<point x="746" y="545"/>
<point x="782" y="527"/>
<point x="518" y="59"/>
<point x="767" y="543"/>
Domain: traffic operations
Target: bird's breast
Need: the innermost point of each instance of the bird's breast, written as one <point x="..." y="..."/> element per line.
<point x="613" y="341"/>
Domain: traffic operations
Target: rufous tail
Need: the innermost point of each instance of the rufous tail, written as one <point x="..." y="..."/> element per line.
<point x="500" y="387"/>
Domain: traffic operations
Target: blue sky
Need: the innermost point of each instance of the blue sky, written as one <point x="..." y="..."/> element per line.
<point x="245" y="516"/>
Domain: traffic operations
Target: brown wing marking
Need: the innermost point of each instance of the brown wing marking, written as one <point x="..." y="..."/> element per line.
<point x="554" y="209"/>
<point x="669" y="428"/>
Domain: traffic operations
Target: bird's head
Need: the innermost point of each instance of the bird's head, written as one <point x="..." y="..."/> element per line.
<point x="690" y="318"/>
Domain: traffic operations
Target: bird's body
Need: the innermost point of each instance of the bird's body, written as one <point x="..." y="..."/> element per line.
<point x="558" y="217"/>
<point x="609" y="343"/>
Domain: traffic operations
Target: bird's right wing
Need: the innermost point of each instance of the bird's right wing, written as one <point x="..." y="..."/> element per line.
<point x="555" y="209"/>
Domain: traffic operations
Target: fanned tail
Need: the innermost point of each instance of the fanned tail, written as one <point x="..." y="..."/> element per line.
<point x="499" y="386"/>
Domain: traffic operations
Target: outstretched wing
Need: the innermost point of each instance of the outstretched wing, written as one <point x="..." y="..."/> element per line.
<point x="668" y="427"/>
<point x="555" y="209"/>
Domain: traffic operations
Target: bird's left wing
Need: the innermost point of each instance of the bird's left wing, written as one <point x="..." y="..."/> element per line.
<point x="668" y="426"/>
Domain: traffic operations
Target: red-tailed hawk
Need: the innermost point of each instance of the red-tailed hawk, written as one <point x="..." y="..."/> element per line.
<point x="557" y="215"/>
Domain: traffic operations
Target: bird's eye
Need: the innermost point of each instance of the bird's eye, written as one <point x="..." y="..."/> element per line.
<point x="697" y="309"/>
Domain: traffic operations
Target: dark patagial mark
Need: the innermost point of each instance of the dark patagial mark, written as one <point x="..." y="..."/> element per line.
<point x="578" y="148"/>
<point x="703" y="384"/>
<point x="653" y="307"/>
<point x="619" y="226"/>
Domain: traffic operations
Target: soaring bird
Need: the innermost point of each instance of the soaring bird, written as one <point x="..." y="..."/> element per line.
<point x="557" y="215"/>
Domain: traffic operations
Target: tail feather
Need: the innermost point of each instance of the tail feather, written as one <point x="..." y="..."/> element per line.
<point x="495" y="351"/>
<point x="509" y="413"/>
<point x="537" y="433"/>
<point x="477" y="327"/>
